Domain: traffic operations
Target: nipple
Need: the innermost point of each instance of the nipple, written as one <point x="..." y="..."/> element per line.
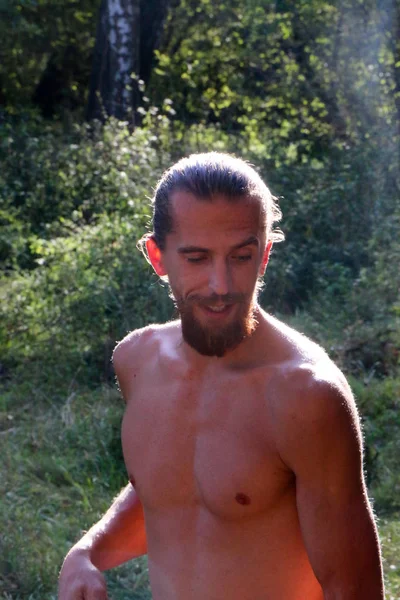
<point x="132" y="480"/>
<point x="242" y="499"/>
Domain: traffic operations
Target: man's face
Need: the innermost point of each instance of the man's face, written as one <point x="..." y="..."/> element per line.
<point x="213" y="259"/>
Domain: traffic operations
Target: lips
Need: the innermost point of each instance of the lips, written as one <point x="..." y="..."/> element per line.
<point x="217" y="310"/>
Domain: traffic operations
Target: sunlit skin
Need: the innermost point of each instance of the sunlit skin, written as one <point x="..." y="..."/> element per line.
<point x="245" y="469"/>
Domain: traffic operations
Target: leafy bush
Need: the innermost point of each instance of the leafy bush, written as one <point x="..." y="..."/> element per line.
<point x="50" y="178"/>
<point x="62" y="319"/>
<point x="358" y="317"/>
<point x="379" y="403"/>
<point x="75" y="206"/>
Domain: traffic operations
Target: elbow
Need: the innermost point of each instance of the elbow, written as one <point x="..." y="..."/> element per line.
<point x="357" y="587"/>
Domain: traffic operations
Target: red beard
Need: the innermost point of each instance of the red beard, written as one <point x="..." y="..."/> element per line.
<point x="213" y="340"/>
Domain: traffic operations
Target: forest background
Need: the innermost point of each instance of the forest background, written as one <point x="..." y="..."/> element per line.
<point x="97" y="98"/>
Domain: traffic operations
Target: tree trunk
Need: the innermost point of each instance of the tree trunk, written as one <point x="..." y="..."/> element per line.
<point x="113" y="90"/>
<point x="54" y="91"/>
<point x="152" y="17"/>
<point x="128" y="33"/>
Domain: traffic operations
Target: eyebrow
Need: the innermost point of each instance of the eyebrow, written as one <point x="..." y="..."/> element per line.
<point x="250" y="241"/>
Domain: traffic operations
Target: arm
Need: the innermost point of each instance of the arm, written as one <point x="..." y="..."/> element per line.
<point x="324" y="450"/>
<point x="120" y="534"/>
<point x="118" y="537"/>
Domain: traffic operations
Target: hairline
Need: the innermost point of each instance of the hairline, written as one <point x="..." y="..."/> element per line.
<point x="218" y="197"/>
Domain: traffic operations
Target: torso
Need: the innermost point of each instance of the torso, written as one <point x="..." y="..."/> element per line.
<point x="200" y="448"/>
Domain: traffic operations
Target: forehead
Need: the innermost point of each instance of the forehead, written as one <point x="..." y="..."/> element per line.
<point x="215" y="219"/>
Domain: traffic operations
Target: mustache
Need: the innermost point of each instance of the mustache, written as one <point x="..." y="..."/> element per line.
<point x="213" y="300"/>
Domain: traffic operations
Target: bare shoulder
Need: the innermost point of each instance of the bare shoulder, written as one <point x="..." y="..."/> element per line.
<point x="313" y="401"/>
<point x="315" y="391"/>
<point x="304" y="368"/>
<point x="133" y="345"/>
<point x="136" y="343"/>
<point x="138" y="349"/>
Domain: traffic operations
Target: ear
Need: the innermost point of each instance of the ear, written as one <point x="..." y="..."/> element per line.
<point x="155" y="257"/>
<point x="265" y="258"/>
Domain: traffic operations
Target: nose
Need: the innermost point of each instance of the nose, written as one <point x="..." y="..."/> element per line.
<point x="220" y="278"/>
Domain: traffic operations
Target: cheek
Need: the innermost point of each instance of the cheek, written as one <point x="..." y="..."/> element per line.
<point x="193" y="276"/>
<point x="184" y="281"/>
<point x="245" y="278"/>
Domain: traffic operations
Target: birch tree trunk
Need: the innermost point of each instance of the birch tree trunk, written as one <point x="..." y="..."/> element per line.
<point x="128" y="32"/>
<point x="113" y="90"/>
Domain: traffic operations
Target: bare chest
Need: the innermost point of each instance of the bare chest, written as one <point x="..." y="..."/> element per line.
<point x="187" y="444"/>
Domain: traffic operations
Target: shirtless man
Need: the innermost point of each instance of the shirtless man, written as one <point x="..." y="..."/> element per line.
<point x="241" y="438"/>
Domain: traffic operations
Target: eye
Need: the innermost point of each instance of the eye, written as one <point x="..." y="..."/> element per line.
<point x="242" y="257"/>
<point x="196" y="259"/>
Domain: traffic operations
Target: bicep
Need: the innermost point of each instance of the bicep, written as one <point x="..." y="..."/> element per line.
<point x="338" y="530"/>
<point x="339" y="533"/>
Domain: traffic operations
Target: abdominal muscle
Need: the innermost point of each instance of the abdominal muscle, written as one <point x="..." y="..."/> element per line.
<point x="194" y="555"/>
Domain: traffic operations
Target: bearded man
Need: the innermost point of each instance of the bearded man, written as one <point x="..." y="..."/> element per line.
<point x="240" y="436"/>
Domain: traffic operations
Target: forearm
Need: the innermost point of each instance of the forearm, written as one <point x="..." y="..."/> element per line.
<point x="365" y="590"/>
<point x="119" y="535"/>
<point x="364" y="580"/>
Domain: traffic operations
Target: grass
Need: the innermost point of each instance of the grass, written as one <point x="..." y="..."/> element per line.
<point x="62" y="465"/>
<point x="61" y="470"/>
<point x="389" y="529"/>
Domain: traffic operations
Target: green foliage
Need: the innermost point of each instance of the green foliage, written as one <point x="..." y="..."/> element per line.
<point x="389" y="530"/>
<point x="77" y="206"/>
<point x="52" y="180"/>
<point x="355" y="315"/>
<point x="306" y="70"/>
<point x="308" y="91"/>
<point x="61" y="469"/>
<point x="379" y="403"/>
<point x="88" y="291"/>
<point x="36" y="34"/>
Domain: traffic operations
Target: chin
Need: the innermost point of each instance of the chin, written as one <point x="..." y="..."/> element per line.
<point x="217" y="339"/>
